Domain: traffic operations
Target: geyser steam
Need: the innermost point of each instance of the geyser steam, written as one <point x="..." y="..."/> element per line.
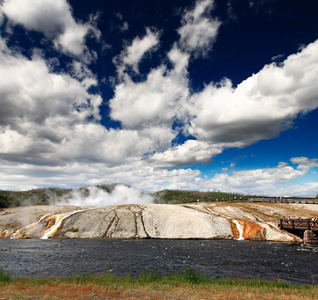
<point x="94" y="196"/>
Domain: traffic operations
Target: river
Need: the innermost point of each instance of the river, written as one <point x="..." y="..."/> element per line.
<point x="217" y="258"/>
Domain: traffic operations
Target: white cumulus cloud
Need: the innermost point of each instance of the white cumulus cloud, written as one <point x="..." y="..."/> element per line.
<point x="133" y="53"/>
<point x="198" y="31"/>
<point x="51" y="118"/>
<point x="54" y="19"/>
<point x="51" y="128"/>
<point x="160" y="99"/>
<point x="266" y="181"/>
<point x="189" y="153"/>
<point x="304" y="163"/>
<point x="261" y="106"/>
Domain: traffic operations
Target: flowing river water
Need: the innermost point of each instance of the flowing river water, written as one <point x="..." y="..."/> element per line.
<point x="217" y="258"/>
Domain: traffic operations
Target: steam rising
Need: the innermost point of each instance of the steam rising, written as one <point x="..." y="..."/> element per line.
<point x="94" y="196"/>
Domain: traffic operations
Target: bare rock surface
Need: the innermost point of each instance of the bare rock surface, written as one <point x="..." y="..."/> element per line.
<point x="24" y="215"/>
<point x="146" y="221"/>
<point x="163" y="221"/>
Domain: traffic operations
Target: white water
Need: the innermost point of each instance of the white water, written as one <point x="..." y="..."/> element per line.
<point x="239" y="229"/>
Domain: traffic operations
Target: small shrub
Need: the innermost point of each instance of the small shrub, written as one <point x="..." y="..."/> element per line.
<point x="4" y="277"/>
<point x="313" y="279"/>
<point x="149" y="277"/>
<point x="4" y="201"/>
<point x="72" y="229"/>
<point x="192" y="276"/>
<point x="83" y="278"/>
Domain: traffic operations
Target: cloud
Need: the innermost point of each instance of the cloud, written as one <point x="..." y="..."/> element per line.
<point x="278" y="57"/>
<point x="305" y="163"/>
<point x="51" y="128"/>
<point x="111" y="147"/>
<point x="261" y="106"/>
<point x="267" y="181"/>
<point x="54" y="19"/>
<point x="49" y="118"/>
<point x="220" y="116"/>
<point x="30" y="92"/>
<point x="259" y="177"/>
<point x="198" y="31"/>
<point x="189" y="153"/>
<point x="133" y="53"/>
<point x="157" y="101"/>
<point x="16" y="175"/>
<point x="163" y="98"/>
<point x="276" y="181"/>
<point x="32" y="95"/>
<point x="304" y="190"/>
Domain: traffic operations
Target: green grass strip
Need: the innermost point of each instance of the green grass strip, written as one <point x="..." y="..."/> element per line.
<point x="188" y="277"/>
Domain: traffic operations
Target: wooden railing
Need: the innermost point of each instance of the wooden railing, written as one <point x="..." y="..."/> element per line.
<point x="285" y="200"/>
<point x="297" y="224"/>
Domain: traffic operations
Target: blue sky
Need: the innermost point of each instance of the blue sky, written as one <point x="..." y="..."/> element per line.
<point x="196" y="95"/>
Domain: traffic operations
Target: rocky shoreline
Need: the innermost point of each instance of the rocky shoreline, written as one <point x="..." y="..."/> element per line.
<point x="252" y="221"/>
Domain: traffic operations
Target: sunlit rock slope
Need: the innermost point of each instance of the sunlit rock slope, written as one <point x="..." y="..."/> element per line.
<point x="193" y="221"/>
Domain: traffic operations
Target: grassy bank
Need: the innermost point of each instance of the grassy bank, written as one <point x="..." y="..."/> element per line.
<point x="188" y="285"/>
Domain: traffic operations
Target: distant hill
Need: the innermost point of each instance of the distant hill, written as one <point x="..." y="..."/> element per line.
<point x="44" y="196"/>
<point x="50" y="196"/>
<point x="179" y="197"/>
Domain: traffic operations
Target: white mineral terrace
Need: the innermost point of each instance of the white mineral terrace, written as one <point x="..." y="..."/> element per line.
<point x="161" y="221"/>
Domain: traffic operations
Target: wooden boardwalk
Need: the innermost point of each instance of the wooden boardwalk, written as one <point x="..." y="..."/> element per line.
<point x="285" y="200"/>
<point x="300" y="225"/>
